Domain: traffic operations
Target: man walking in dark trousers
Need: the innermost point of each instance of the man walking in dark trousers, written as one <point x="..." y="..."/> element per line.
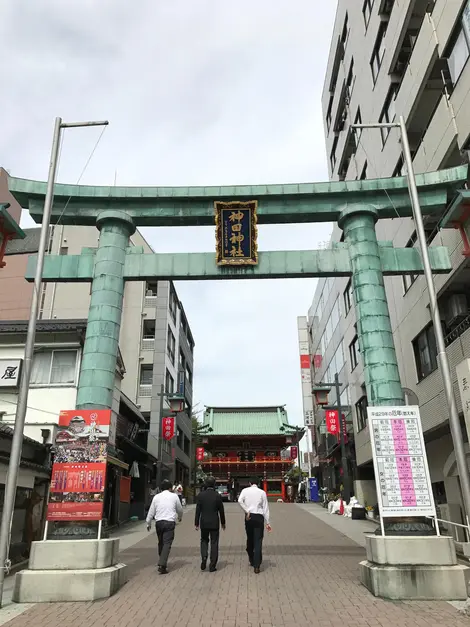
<point x="165" y="509"/>
<point x="254" y="503"/>
<point x="210" y="514"/>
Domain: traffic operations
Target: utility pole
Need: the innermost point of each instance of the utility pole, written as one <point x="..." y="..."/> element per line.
<point x="160" y="439"/>
<point x="454" y="421"/>
<point x="17" y="441"/>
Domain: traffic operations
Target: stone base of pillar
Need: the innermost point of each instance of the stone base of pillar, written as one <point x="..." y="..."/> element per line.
<point x="70" y="570"/>
<point x="414" y="568"/>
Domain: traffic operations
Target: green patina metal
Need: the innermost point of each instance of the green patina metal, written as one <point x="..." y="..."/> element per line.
<point x="373" y="318"/>
<point x="355" y="204"/>
<point x="277" y="204"/>
<point x="272" y="265"/>
<point x="98" y="368"/>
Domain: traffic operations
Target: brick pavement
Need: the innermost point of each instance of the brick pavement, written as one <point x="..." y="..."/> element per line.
<point x="310" y="577"/>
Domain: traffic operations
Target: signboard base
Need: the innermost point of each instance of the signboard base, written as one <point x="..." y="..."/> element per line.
<point x="70" y="571"/>
<point x="414" y="568"/>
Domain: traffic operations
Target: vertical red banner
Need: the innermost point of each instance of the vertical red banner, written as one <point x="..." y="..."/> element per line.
<point x="305" y="362"/>
<point x="345" y="428"/>
<point x="317" y="361"/>
<point x="200" y="454"/>
<point x="294" y="452"/>
<point x="79" y="470"/>
<point x="332" y="421"/>
<point x="168" y="425"/>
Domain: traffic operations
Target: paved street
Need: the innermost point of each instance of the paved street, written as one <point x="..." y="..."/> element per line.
<point x="309" y="577"/>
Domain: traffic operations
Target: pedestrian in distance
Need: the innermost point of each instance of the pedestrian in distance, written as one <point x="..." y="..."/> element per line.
<point x="210" y="515"/>
<point x="254" y="503"/>
<point x="165" y="509"/>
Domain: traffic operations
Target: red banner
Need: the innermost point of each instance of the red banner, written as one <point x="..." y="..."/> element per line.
<point x="200" y="454"/>
<point x="305" y="362"/>
<point x="79" y="470"/>
<point x="317" y="361"/>
<point x="294" y="452"/>
<point x="169" y="427"/>
<point x="332" y="421"/>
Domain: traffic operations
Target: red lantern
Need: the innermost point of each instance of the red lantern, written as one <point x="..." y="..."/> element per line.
<point x="321" y="395"/>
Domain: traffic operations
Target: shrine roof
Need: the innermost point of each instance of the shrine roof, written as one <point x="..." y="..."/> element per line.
<point x="246" y="420"/>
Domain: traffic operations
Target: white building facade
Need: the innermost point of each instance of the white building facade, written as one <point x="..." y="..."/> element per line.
<point x="391" y="58"/>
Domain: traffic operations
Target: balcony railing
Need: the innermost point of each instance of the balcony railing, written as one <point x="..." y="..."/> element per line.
<point x="145" y="389"/>
<point x="458" y="331"/>
<point x="258" y="460"/>
<point x="150" y="301"/>
<point x="148" y="343"/>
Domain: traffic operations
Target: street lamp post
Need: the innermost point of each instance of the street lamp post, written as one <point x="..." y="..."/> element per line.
<point x="21" y="407"/>
<point x="342" y="436"/>
<point x="454" y="421"/>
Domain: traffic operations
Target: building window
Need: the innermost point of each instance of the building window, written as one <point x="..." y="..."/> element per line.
<point x="345" y="31"/>
<point x="169" y="383"/>
<point x="367" y="11"/>
<point x="146" y="374"/>
<point x="170" y="345"/>
<point x="182" y="362"/>
<point x="353" y="353"/>
<point x="458" y="56"/>
<point x="425" y="351"/>
<point x="348" y="298"/>
<point x="173" y="304"/>
<point x="379" y="51"/>
<point x="409" y="279"/>
<point x="151" y="288"/>
<point x="358" y="120"/>
<point x="364" y="172"/>
<point x="400" y="169"/>
<point x="350" y="81"/>
<point x="189" y="374"/>
<point x="388" y="114"/>
<point x="328" y="112"/>
<point x="361" y="413"/>
<point x="333" y="153"/>
<point x="57" y="367"/>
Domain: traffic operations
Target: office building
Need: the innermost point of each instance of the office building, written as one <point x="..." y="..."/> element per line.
<point x="387" y="59"/>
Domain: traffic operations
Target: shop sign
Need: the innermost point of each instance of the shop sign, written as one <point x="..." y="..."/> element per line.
<point x="10" y="372"/>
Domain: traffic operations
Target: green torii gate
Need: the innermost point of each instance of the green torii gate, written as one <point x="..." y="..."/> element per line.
<point x="355" y="205"/>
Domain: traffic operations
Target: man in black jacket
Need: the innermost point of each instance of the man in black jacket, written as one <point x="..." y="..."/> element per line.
<point x="210" y="515"/>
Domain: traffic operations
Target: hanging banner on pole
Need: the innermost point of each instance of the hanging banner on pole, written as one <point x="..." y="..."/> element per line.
<point x="294" y="451"/>
<point x="332" y="421"/>
<point x="400" y="463"/>
<point x="168" y="425"/>
<point x="79" y="470"/>
<point x="200" y="454"/>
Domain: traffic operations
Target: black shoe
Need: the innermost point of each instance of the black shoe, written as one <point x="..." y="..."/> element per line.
<point x="257" y="571"/>
<point x="203" y="565"/>
<point x="162" y="570"/>
<point x="212" y="569"/>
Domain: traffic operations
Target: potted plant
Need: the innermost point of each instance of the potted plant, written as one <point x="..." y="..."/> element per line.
<point x="370" y="512"/>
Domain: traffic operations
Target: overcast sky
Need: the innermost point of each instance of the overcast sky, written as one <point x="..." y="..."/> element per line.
<point x="197" y="92"/>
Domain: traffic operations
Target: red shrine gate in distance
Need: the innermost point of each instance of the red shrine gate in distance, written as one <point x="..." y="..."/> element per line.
<point x="244" y="442"/>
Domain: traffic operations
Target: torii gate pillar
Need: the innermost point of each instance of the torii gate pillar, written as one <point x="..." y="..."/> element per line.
<point x="374" y="329"/>
<point x="97" y="372"/>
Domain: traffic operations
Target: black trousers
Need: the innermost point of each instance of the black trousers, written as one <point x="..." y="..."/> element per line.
<point x="254" y="528"/>
<point x="213" y="536"/>
<point x="165" y="534"/>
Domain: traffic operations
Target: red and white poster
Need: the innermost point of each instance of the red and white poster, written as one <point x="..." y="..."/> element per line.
<point x="79" y="469"/>
<point x="200" y="454"/>
<point x="305" y="362"/>
<point x="294" y="451"/>
<point x="168" y="425"/>
<point x="332" y="421"/>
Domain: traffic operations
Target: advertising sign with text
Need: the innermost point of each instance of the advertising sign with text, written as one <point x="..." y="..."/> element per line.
<point x="332" y="421"/>
<point x="168" y="424"/>
<point x="400" y="462"/>
<point x="79" y="470"/>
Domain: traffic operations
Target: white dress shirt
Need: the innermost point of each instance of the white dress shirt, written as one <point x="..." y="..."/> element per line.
<point x="165" y="506"/>
<point x="254" y="501"/>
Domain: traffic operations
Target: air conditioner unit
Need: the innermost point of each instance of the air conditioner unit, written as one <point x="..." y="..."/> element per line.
<point x="457" y="308"/>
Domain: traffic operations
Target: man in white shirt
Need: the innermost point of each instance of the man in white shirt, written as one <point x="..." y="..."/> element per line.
<point x="254" y="503"/>
<point x="165" y="510"/>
